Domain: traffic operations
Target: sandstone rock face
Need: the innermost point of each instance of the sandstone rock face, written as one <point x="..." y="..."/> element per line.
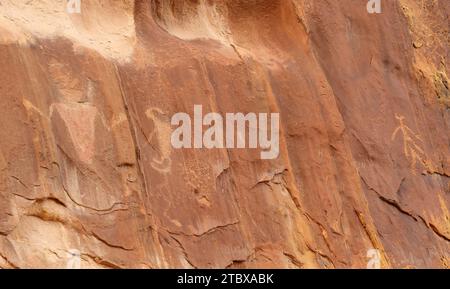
<point x="86" y="163"/>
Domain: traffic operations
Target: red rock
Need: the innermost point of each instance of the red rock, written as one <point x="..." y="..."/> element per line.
<point x="87" y="167"/>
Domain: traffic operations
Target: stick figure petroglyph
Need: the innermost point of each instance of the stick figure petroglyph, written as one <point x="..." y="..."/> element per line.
<point x="410" y="139"/>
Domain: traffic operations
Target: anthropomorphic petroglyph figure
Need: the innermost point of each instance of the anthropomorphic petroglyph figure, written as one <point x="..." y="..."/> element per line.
<point x="410" y="139"/>
<point x="161" y="133"/>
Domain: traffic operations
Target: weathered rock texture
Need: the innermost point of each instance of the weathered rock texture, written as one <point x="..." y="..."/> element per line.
<point x="86" y="161"/>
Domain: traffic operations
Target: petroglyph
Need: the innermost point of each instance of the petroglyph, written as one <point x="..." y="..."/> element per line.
<point x="118" y="119"/>
<point x="161" y="133"/>
<point x="411" y="149"/>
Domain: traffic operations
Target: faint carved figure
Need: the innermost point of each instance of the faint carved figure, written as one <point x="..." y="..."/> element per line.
<point x="161" y="133"/>
<point x="410" y="139"/>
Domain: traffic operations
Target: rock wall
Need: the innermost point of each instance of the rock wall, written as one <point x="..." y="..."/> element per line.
<point x="86" y="163"/>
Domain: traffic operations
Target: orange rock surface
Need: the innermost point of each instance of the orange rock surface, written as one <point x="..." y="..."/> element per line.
<point x="86" y="162"/>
